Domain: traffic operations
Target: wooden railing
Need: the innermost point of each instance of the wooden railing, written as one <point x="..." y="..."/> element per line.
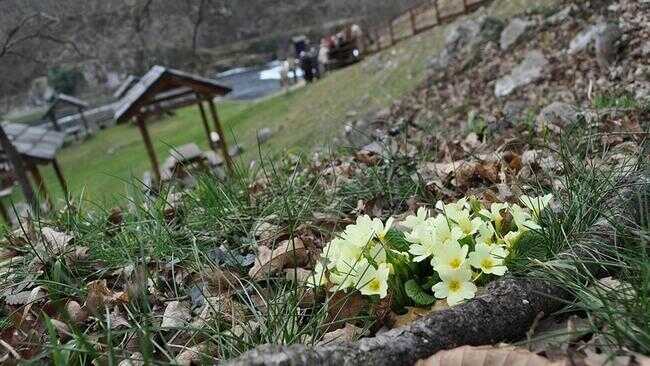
<point x="416" y="20"/>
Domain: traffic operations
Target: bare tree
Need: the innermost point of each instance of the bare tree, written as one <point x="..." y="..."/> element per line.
<point x="140" y="16"/>
<point x="200" y="17"/>
<point x="27" y="33"/>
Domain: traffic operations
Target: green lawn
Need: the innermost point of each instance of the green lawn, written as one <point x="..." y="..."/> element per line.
<point x="302" y="119"/>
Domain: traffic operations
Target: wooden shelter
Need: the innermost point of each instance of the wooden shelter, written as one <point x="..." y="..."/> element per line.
<point x="35" y="146"/>
<point x="64" y="105"/>
<point x="126" y="85"/>
<point x="163" y="88"/>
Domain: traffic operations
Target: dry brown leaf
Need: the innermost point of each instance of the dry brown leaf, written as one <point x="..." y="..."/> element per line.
<point x="342" y="307"/>
<point x="75" y="312"/>
<point x="487" y="356"/>
<point x="298" y="275"/>
<point x="57" y="241"/>
<point x="222" y="280"/>
<point x="267" y="233"/>
<point x="348" y="333"/>
<point x="220" y="307"/>
<point x="604" y="359"/>
<point x="191" y="356"/>
<point x="61" y="328"/>
<point x="100" y="296"/>
<point x="176" y="315"/>
<point x="271" y="261"/>
<point x="414" y="313"/>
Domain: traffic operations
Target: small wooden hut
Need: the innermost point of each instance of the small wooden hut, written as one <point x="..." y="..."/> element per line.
<point x="163" y="88"/>
<point x="64" y="105"/>
<point x="36" y="146"/>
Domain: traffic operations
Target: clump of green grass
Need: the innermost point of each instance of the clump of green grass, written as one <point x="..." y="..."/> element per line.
<point x="615" y="100"/>
<point x="573" y="256"/>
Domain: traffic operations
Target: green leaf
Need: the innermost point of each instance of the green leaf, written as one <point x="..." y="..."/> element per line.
<point x="417" y="294"/>
<point x="396" y="241"/>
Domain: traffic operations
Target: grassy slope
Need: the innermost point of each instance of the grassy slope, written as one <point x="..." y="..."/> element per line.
<point x="302" y="119"/>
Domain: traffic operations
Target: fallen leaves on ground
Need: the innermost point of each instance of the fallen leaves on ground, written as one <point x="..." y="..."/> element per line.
<point x="488" y="356"/>
<point x="269" y="262"/>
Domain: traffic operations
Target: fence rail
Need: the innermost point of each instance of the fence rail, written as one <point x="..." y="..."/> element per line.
<point x="418" y="19"/>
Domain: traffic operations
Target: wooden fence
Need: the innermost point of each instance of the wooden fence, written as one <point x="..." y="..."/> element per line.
<point x="418" y="19"/>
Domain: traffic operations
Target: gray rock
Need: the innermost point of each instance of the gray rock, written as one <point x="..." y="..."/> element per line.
<point x="264" y="135"/>
<point x="515" y="30"/>
<point x="584" y="38"/>
<point x="560" y="16"/>
<point x="607" y="45"/>
<point x="556" y="116"/>
<point x="464" y="38"/>
<point x="528" y="71"/>
<point x="514" y="111"/>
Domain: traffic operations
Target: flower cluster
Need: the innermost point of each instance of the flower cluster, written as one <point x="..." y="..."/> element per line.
<point x="357" y="259"/>
<point x="463" y="243"/>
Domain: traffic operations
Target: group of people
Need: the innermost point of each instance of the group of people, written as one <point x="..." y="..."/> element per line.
<point x="315" y="62"/>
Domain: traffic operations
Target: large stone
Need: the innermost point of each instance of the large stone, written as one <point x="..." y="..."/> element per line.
<point x="584" y="38"/>
<point x="556" y="116"/>
<point x="463" y="38"/>
<point x="607" y="45"/>
<point x="515" y="30"/>
<point x="529" y="70"/>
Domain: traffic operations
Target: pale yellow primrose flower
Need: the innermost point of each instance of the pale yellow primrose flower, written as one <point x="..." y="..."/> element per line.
<point x="523" y="219"/>
<point x="494" y="213"/>
<point x="451" y="258"/>
<point x="375" y="281"/>
<point x="445" y="232"/>
<point x="380" y="229"/>
<point x="348" y="273"/>
<point x="486" y="234"/>
<point x="467" y="225"/>
<point x="377" y="253"/>
<point x="424" y="246"/>
<point x="453" y="207"/>
<point x="361" y="233"/>
<point x="536" y="204"/>
<point x="456" y="286"/>
<point x="420" y="219"/>
<point x="489" y="259"/>
<point x="318" y="277"/>
<point x="511" y="238"/>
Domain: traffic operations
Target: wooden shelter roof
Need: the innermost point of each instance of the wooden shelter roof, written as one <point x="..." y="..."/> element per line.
<point x="66" y="99"/>
<point x="125" y="86"/>
<point x="34" y="142"/>
<point x="160" y="80"/>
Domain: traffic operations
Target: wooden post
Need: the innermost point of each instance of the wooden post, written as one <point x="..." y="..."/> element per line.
<point x="222" y="136"/>
<point x="40" y="183"/>
<point x="206" y="126"/>
<point x="60" y="177"/>
<point x="84" y="121"/>
<point x="19" y="170"/>
<point x="465" y="7"/>
<point x="149" y="146"/>
<point x="392" y="32"/>
<point x="55" y="123"/>
<point x="414" y="28"/>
